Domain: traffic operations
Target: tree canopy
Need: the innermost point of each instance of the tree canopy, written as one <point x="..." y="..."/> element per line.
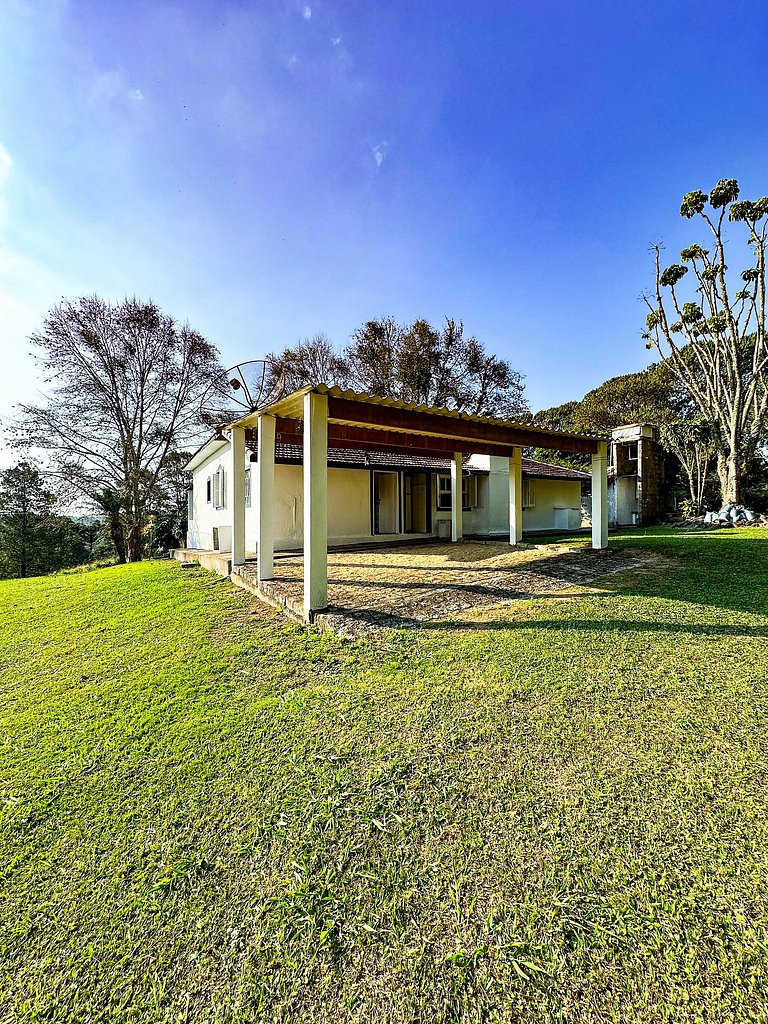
<point x="649" y="396"/>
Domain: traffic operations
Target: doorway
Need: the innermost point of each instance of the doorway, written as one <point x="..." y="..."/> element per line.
<point x="416" y="503"/>
<point x="385" y="503"/>
<point x="626" y="500"/>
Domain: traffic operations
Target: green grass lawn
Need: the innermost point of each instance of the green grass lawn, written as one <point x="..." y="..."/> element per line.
<point x="550" y="811"/>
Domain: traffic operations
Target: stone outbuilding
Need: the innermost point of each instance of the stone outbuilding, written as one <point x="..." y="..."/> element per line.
<point x="637" y="492"/>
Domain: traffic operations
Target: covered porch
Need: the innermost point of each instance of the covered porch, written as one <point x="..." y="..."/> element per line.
<point x="317" y="416"/>
<point x="396" y="586"/>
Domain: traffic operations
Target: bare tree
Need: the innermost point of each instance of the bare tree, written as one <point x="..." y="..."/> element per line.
<point x="125" y="383"/>
<point x="312" y="361"/>
<point x="419" y="363"/>
<point x="373" y="357"/>
<point x="415" y="363"/>
<point x="721" y="351"/>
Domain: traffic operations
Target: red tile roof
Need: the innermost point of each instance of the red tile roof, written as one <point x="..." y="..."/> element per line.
<point x="354" y="458"/>
<point x="532" y="467"/>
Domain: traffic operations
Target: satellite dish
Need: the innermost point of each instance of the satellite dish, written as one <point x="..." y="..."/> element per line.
<point x="235" y="392"/>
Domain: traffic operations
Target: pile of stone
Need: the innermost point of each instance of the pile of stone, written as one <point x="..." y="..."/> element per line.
<point x="734" y="515"/>
<point x="729" y="515"/>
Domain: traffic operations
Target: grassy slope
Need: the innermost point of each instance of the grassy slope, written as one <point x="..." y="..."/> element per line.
<point x="553" y="811"/>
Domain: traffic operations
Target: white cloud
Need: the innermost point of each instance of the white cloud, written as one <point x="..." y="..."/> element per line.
<point x="110" y="87"/>
<point x="5" y="164"/>
<point x="379" y="152"/>
<point x="306" y="13"/>
<point x="335" y="40"/>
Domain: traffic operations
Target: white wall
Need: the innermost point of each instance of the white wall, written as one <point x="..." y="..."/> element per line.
<point x="349" y="504"/>
<point x="498" y="484"/>
<point x="492" y="515"/>
<point x="549" y="495"/>
<point x="205" y="516"/>
<point x="349" y="507"/>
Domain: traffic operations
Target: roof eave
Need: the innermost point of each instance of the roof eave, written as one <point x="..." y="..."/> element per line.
<point x="203" y="453"/>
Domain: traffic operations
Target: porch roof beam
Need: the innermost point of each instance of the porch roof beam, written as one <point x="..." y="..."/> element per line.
<point x="355" y="413"/>
<point x="356" y="437"/>
<point x="365" y="439"/>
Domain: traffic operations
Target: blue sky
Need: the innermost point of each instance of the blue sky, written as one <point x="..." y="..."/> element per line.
<point x="269" y="170"/>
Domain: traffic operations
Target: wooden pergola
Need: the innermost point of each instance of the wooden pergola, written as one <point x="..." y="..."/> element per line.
<point x="319" y="416"/>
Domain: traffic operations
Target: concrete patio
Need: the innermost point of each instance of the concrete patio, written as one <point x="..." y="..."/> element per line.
<point x="396" y="587"/>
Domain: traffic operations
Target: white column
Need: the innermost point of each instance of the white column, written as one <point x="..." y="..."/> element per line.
<point x="315" y="503"/>
<point x="237" y="494"/>
<point x="600" y="496"/>
<point x="457" y="526"/>
<point x="516" y="496"/>
<point x="266" y="497"/>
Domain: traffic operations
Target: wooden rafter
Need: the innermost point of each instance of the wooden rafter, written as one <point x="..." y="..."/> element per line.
<point x="448" y="436"/>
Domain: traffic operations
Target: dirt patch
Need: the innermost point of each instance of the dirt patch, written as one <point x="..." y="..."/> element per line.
<point x="396" y="588"/>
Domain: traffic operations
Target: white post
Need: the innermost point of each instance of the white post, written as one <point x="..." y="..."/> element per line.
<point x="315" y="503"/>
<point x="600" y="496"/>
<point x="516" y="496"/>
<point x="457" y="526"/>
<point x="265" y="554"/>
<point x="237" y="494"/>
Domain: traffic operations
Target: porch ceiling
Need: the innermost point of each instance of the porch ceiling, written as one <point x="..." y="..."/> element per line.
<point x="362" y="421"/>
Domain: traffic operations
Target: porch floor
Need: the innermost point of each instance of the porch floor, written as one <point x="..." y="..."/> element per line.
<point x="406" y="586"/>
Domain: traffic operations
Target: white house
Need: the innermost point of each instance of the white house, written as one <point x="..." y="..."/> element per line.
<point x="376" y="495"/>
<point x="336" y="466"/>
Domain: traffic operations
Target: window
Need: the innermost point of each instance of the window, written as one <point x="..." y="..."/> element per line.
<point x="248" y="471"/>
<point x="219" y="488"/>
<point x="190" y="505"/>
<point x="529" y="492"/>
<point x="468" y="492"/>
<point x="444" y="493"/>
<point x="625" y="458"/>
<point x="208" y="490"/>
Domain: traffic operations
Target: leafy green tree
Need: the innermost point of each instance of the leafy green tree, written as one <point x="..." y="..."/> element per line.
<point x="110" y="502"/>
<point x="712" y="336"/>
<point x="691" y="441"/>
<point x="169" y="510"/>
<point x="561" y="417"/>
<point x="26" y="522"/>
<point x="650" y="396"/>
<point x="94" y="540"/>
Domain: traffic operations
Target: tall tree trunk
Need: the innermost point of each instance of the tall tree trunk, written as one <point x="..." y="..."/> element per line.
<point x="688" y="467"/>
<point x="134" y="542"/>
<point x="729" y="471"/>
<point x="734" y="479"/>
<point x="117" y="536"/>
